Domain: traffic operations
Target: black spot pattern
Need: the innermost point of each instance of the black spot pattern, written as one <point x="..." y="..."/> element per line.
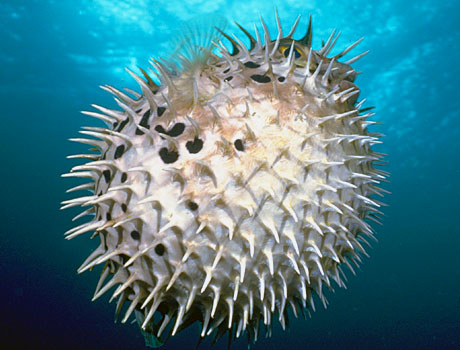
<point x="260" y="78"/>
<point x="160" y="249"/>
<point x="228" y="78"/>
<point x="160" y="129"/>
<point x="167" y="156"/>
<point x="176" y="130"/>
<point x="124" y="177"/>
<point x="281" y="79"/>
<point x="192" y="205"/>
<point x="135" y="235"/>
<point x="124" y="207"/>
<point x="124" y="258"/>
<point x="160" y="111"/>
<point x="108" y="217"/>
<point x="251" y="64"/>
<point x="122" y="124"/>
<point x="144" y="122"/>
<point x="194" y="146"/>
<point x="106" y="174"/>
<point x="119" y="151"/>
<point x="239" y="145"/>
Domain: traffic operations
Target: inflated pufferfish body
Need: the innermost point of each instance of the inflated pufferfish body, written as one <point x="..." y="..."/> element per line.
<point x="233" y="191"/>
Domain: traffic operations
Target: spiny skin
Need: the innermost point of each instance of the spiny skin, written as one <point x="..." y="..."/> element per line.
<point x="232" y="191"/>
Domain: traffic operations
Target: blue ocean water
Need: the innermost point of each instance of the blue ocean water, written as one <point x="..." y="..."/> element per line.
<point x="55" y="54"/>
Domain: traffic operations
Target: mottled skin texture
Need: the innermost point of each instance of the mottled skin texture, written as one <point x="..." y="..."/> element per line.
<point x="233" y="190"/>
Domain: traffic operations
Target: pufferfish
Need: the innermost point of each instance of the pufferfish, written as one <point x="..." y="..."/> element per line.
<point x="233" y="192"/>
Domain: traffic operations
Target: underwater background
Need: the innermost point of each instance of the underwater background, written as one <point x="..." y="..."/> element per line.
<point x="55" y="54"/>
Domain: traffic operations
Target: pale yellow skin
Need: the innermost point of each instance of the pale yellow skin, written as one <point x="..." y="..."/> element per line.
<point x="273" y="222"/>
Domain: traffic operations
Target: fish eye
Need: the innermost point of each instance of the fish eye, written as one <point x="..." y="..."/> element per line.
<point x="286" y="49"/>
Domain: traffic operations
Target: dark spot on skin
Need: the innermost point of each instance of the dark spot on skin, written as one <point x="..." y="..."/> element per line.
<point x="124" y="258"/>
<point x="260" y="78"/>
<point x="167" y="156"/>
<point x="119" y="151"/>
<point x="106" y="174"/>
<point x="251" y="64"/>
<point x="226" y="71"/>
<point x="124" y="207"/>
<point x="192" y="205"/>
<point x="115" y="125"/>
<point x="160" y="129"/>
<point x="144" y="122"/>
<point x="228" y="78"/>
<point x="160" y="111"/>
<point x="124" y="177"/>
<point x="122" y="124"/>
<point x="100" y="193"/>
<point x="194" y="146"/>
<point x="135" y="235"/>
<point x="176" y="130"/>
<point x="160" y="249"/>
<point x="281" y="79"/>
<point x="145" y="119"/>
<point x="108" y="217"/>
<point x="239" y="145"/>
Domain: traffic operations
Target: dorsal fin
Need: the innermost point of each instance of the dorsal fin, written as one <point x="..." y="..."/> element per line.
<point x="193" y="42"/>
<point x="307" y="39"/>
